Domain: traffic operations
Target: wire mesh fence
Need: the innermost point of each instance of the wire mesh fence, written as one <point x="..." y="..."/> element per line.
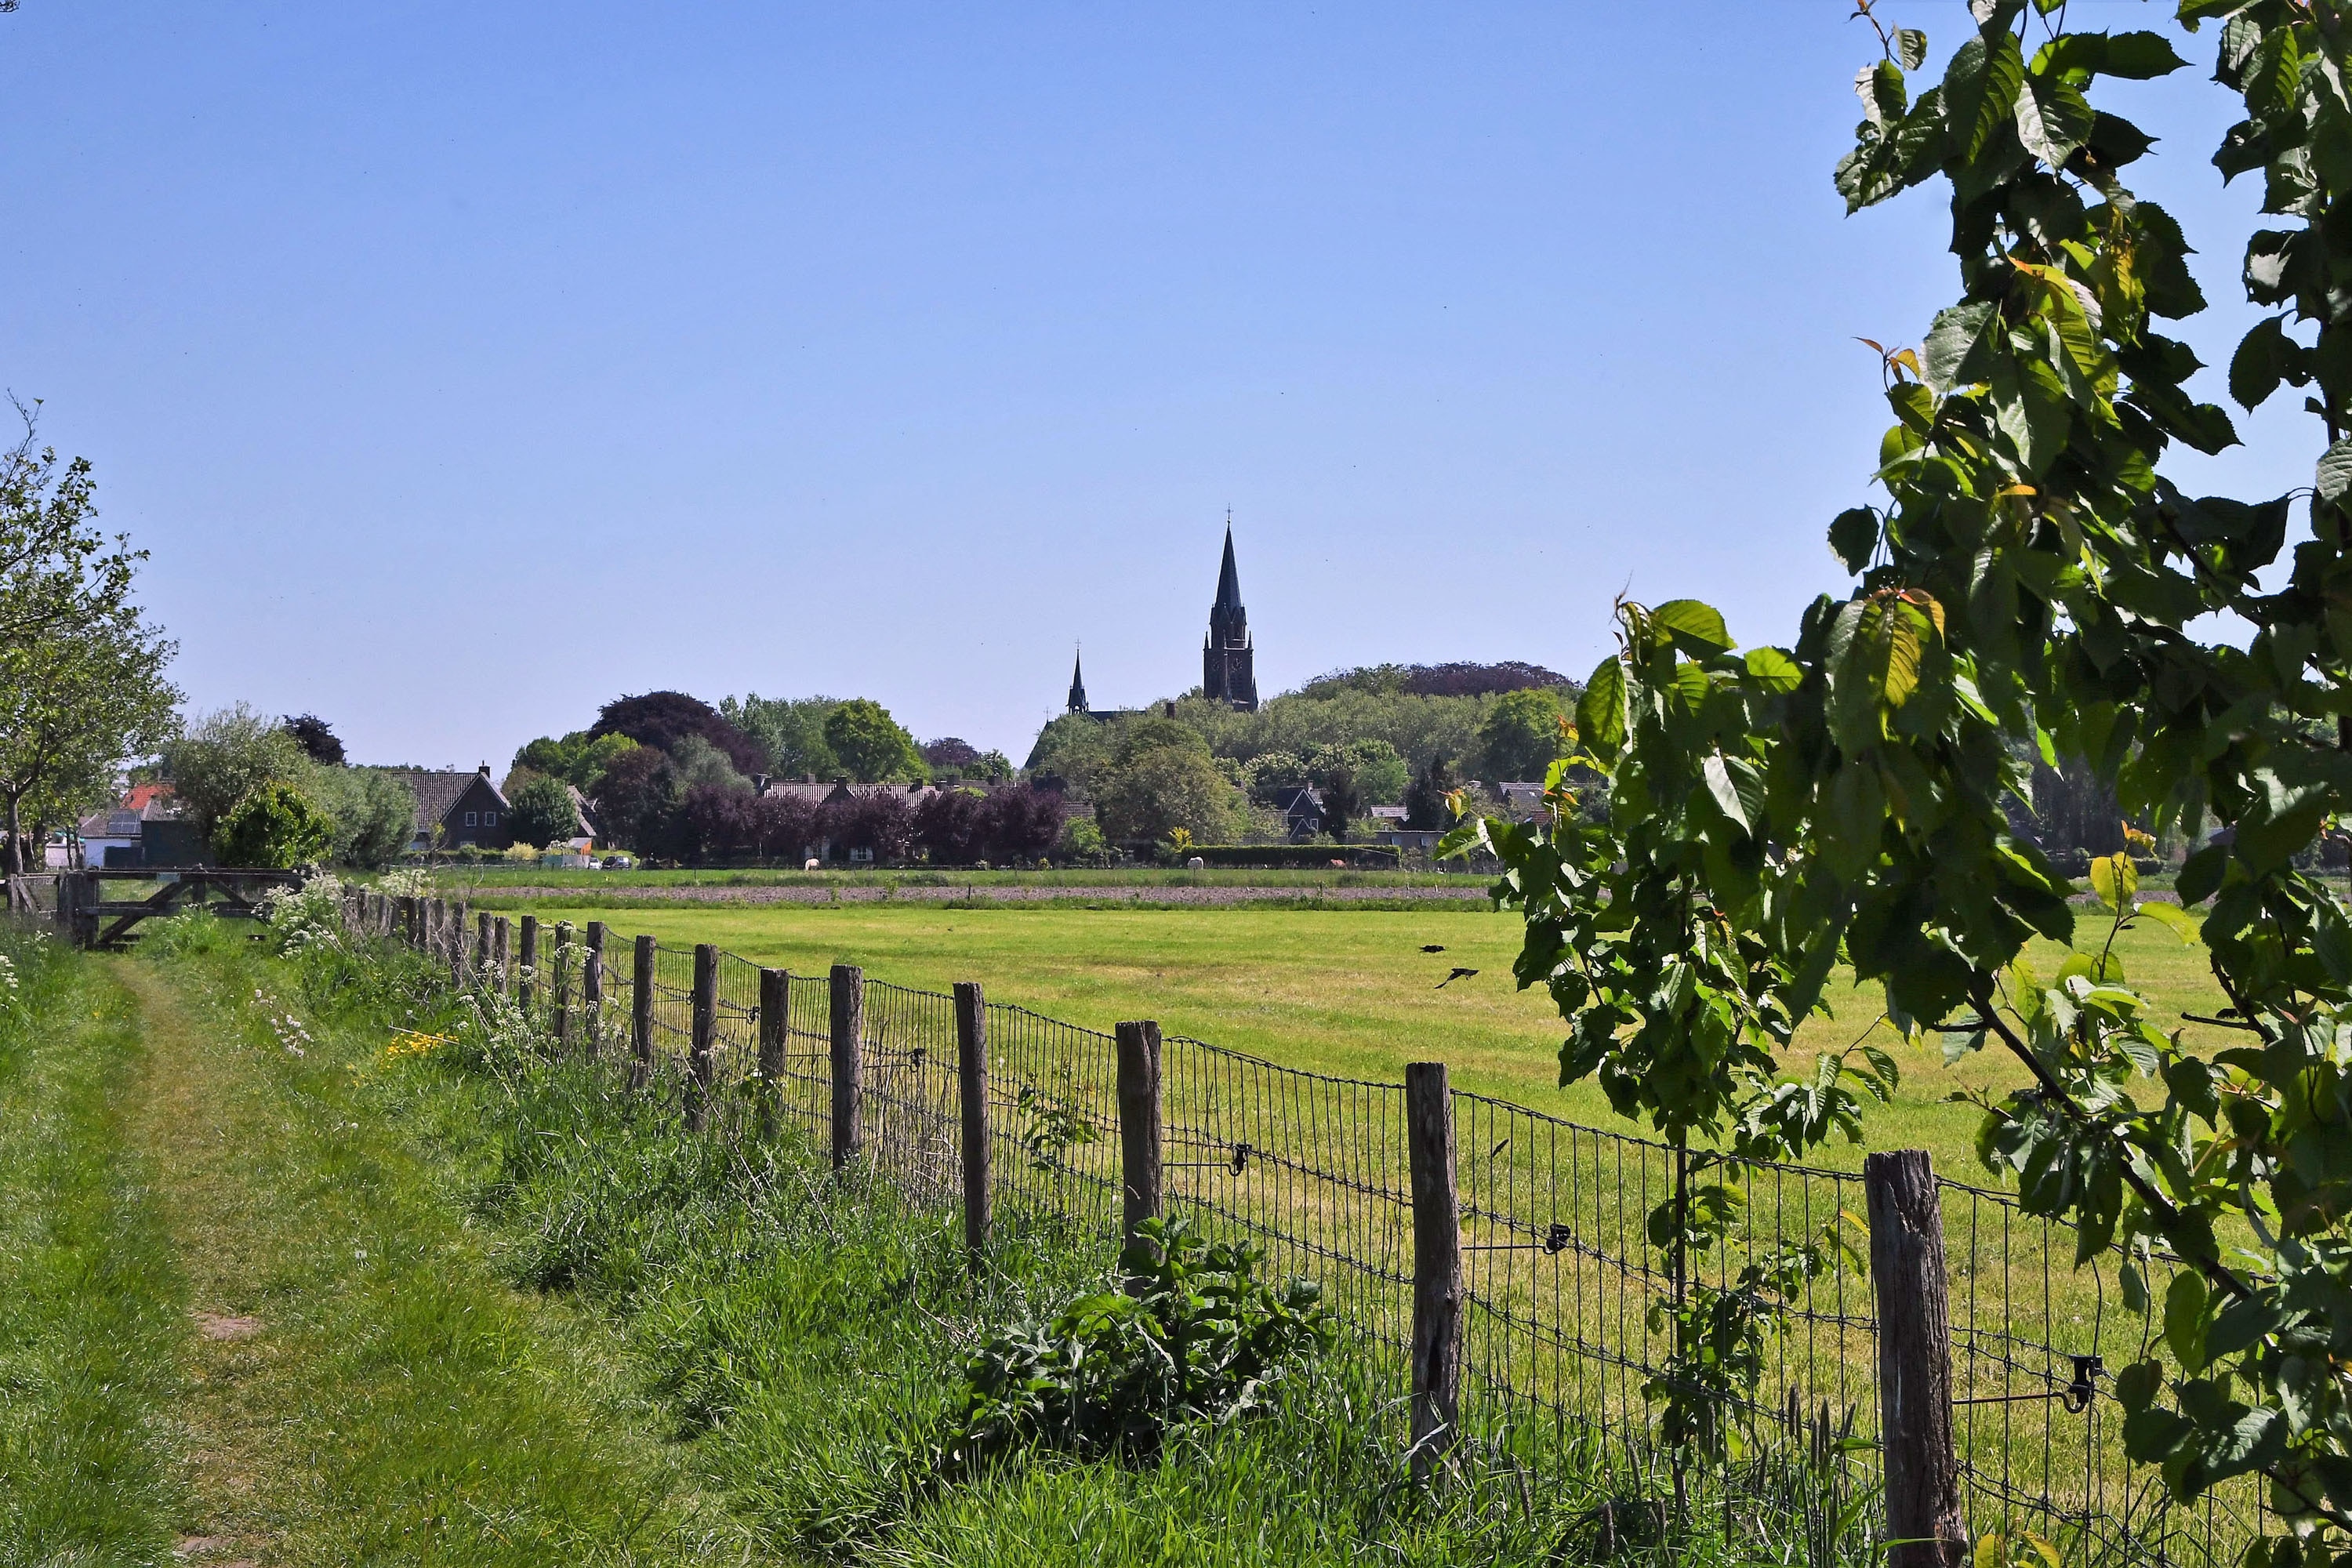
<point x="1563" y="1336"/>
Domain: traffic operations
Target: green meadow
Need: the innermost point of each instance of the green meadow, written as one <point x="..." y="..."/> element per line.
<point x="1349" y="992"/>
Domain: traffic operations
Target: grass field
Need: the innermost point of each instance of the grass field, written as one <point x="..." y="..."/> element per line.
<point x="1346" y="993"/>
<point x="491" y="877"/>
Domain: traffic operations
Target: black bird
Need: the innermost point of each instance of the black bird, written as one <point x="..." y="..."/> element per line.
<point x="1435" y="947"/>
<point x="1459" y="974"/>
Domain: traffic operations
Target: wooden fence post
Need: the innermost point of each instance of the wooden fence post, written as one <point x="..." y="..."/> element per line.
<point x="1437" y="1288"/>
<point x="563" y="983"/>
<point x="706" y="1032"/>
<point x="972" y="1089"/>
<point x="1924" y="1523"/>
<point x="592" y="988"/>
<point x="482" y="938"/>
<point x="456" y="955"/>
<point x="404" y="920"/>
<point x="1139" y="1126"/>
<point x="527" y="965"/>
<point x="501" y="979"/>
<point x="848" y="1062"/>
<point x="775" y="1031"/>
<point x="641" y="1014"/>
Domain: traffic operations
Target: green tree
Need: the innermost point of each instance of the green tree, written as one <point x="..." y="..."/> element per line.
<point x="542" y="813"/>
<point x="700" y="763"/>
<point x="226" y="755"/>
<point x="871" y="745"/>
<point x="577" y="759"/>
<point x="2029" y="588"/>
<point x="374" y="814"/>
<point x="1076" y="748"/>
<point x="1521" y="735"/>
<point x="791" y="729"/>
<point x="1163" y="788"/>
<point x="72" y="707"/>
<point x="277" y="826"/>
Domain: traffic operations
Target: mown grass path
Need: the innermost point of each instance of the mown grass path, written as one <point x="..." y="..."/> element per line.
<point x="359" y="1387"/>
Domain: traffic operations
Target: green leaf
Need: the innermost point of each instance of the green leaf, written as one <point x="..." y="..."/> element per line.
<point x="1773" y="671"/>
<point x="2335" y="474"/>
<point x="1910" y="47"/>
<point x="2184" y="1320"/>
<point x="2115" y="878"/>
<point x="2256" y="369"/>
<point x="2139" y="56"/>
<point x="2177" y="920"/>
<point x="2052" y="120"/>
<point x="1980" y="88"/>
<point x="1695" y="628"/>
<point x="1957" y="331"/>
<point x="2201" y="873"/>
<point x="1854" y="537"/>
<point x="1600" y="711"/>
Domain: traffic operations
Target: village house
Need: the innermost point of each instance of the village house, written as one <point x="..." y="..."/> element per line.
<point x="457" y="810"/>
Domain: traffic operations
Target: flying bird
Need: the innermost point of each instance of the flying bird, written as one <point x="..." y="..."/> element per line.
<point x="1459" y="974"/>
<point x="1435" y="947"/>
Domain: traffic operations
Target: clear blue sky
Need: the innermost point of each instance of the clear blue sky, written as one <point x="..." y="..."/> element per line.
<point x="465" y="366"/>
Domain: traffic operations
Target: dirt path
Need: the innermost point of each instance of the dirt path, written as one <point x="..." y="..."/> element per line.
<point x="359" y="1386"/>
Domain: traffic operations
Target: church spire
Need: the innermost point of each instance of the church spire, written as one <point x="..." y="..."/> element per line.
<point x="1229" y="579"/>
<point x="1227" y="660"/>
<point x="1077" y="686"/>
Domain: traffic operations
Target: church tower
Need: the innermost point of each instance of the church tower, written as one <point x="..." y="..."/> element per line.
<point x="1078" y="687"/>
<point x="1228" y="663"/>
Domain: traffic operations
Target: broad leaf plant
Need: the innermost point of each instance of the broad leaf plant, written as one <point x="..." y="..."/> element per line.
<point x="2029" y="585"/>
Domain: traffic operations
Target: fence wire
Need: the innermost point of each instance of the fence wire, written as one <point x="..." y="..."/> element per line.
<point x="1560" y="1337"/>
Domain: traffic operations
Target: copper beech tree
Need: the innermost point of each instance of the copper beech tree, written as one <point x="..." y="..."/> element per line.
<point x="2030" y="584"/>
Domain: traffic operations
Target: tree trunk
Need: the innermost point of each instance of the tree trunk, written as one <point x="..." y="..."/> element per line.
<point x="16" y="839"/>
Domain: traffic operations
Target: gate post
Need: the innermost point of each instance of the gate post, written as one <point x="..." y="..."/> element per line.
<point x="848" y="1062"/>
<point x="1915" y="1361"/>
<point x="706" y="1031"/>
<point x="641" y="1014"/>
<point x="1437" y="1288"/>
<point x="1138" y="1127"/>
<point x="775" y="1030"/>
<point x="971" y="1093"/>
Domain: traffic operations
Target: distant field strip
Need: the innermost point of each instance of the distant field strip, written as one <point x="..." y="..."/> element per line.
<point x="1471" y="892"/>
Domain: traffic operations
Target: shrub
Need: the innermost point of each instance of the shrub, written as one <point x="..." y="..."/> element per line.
<point x="374" y="814"/>
<point x="276" y="827"/>
<point x="1196" y="1336"/>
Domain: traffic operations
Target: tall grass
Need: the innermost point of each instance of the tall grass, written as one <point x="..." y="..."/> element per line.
<point x="806" y="1335"/>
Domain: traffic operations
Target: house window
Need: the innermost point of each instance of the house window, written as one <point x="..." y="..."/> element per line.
<point x="470" y="819"/>
<point x="489" y="819"/>
<point x="861" y="854"/>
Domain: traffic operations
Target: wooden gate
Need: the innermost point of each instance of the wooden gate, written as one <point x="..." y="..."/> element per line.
<point x="86" y="918"/>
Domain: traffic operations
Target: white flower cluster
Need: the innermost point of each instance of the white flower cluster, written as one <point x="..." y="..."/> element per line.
<point x="7" y="978"/>
<point x="304" y="917"/>
<point x="404" y="882"/>
<point x="285" y="1025"/>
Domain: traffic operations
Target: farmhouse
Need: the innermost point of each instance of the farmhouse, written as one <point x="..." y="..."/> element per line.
<point x="145" y="828"/>
<point x="455" y="809"/>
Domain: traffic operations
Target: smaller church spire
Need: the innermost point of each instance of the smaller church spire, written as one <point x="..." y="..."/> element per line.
<point x="1077" y="685"/>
